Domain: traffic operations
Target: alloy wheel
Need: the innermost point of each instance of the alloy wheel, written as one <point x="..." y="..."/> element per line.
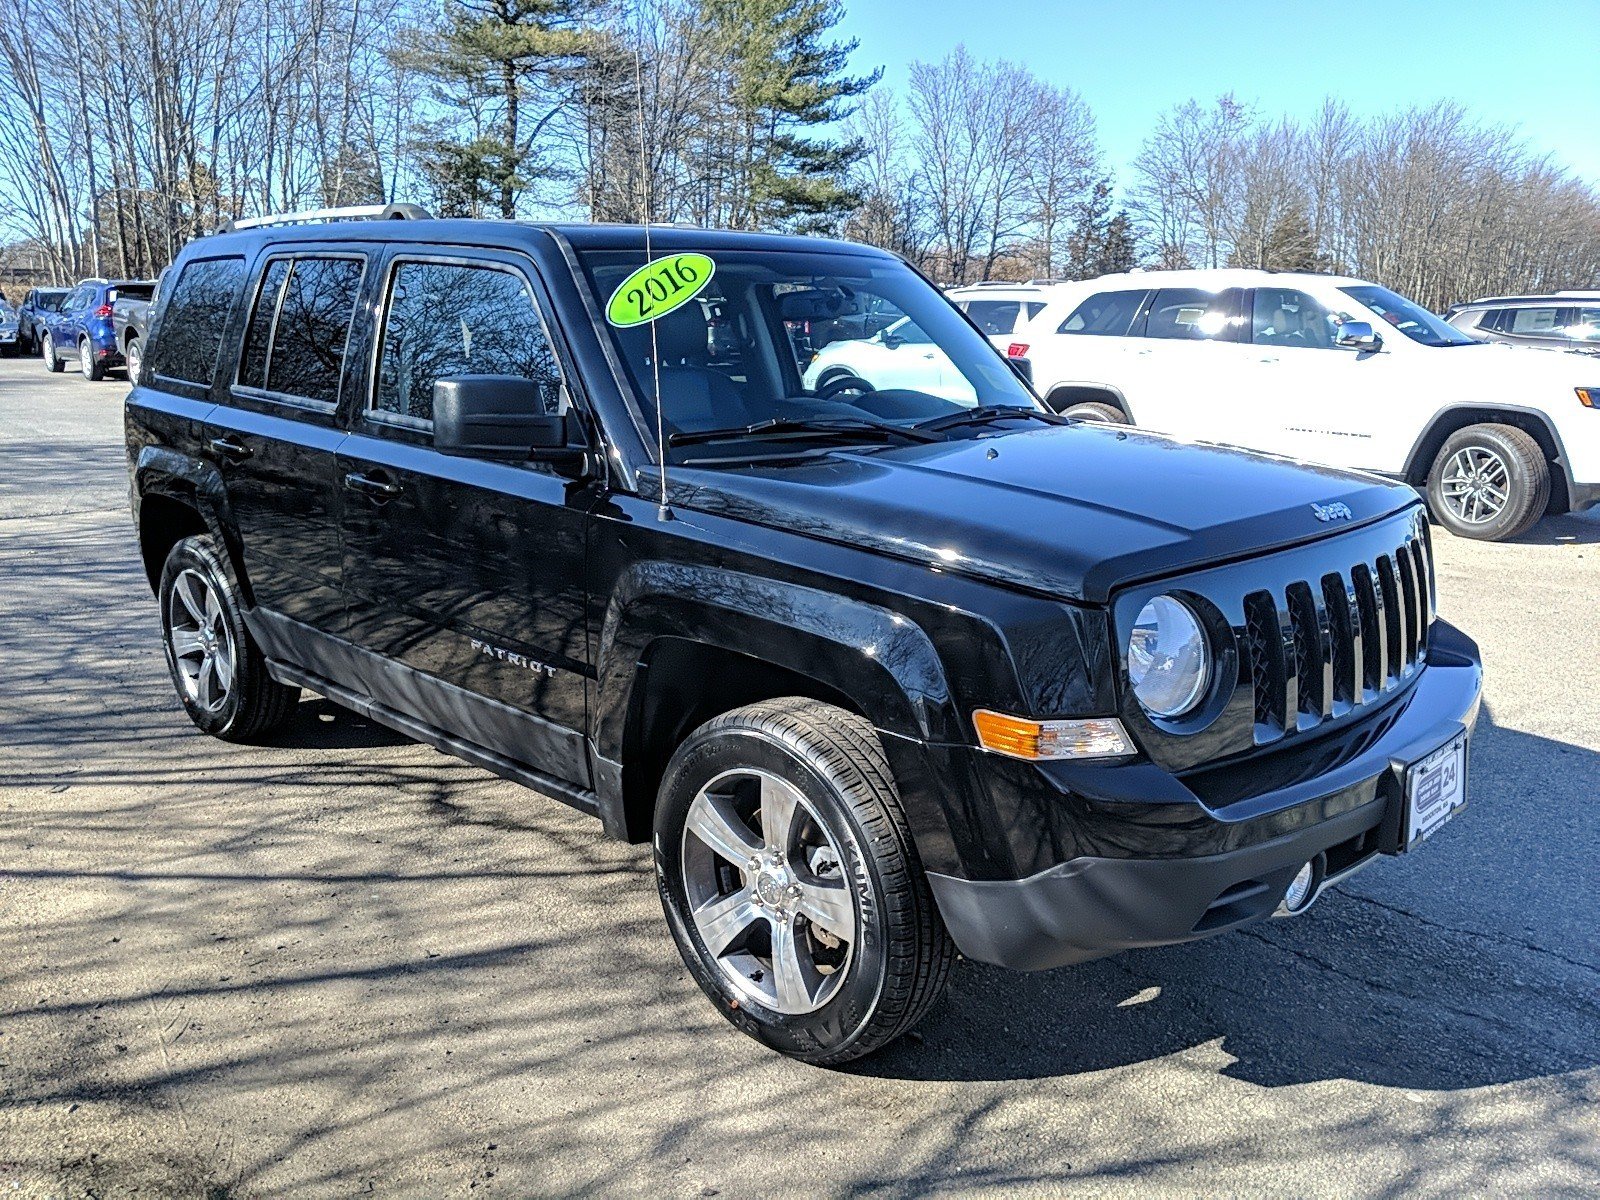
<point x="86" y="359"/>
<point x="135" y="356"/>
<point x="767" y="889"/>
<point x="1476" y="484"/>
<point x="202" y="646"/>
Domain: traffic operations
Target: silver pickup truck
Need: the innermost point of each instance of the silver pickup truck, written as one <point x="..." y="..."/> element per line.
<point x="131" y="313"/>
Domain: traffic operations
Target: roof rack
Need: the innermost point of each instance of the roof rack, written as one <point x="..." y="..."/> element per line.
<point x="311" y="216"/>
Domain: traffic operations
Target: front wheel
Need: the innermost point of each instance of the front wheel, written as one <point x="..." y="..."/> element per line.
<point x="219" y="672"/>
<point x="47" y="351"/>
<point x="791" y="884"/>
<point x="1489" y="482"/>
<point x="1090" y="410"/>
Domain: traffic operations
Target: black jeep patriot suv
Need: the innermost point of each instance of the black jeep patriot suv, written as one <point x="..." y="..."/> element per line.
<point x="886" y="665"/>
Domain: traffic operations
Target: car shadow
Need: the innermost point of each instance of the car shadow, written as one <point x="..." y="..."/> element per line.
<point x="1399" y="947"/>
<point x="319" y="724"/>
<point x="1581" y="529"/>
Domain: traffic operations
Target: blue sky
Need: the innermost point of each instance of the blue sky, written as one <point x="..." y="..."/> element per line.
<point x="1535" y="66"/>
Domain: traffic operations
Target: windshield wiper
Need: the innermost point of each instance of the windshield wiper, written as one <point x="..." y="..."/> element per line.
<point x="782" y="427"/>
<point x="987" y="414"/>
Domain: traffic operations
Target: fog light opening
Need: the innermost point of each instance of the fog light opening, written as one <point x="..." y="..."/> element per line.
<point x="1303" y="888"/>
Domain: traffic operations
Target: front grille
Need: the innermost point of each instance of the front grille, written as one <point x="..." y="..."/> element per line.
<point x="1318" y="648"/>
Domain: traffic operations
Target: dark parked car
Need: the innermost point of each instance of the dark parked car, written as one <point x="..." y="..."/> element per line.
<point x="36" y="305"/>
<point x="1558" y="321"/>
<point x="82" y="327"/>
<point x="130" y="322"/>
<point x="879" y="678"/>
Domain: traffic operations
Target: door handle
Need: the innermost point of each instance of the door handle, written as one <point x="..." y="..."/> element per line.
<point x="230" y="449"/>
<point x="372" y="485"/>
<point x="1268" y="358"/>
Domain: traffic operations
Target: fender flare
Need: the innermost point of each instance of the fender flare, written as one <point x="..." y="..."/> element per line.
<point x="1113" y="389"/>
<point x="1423" y="449"/>
<point x="197" y="484"/>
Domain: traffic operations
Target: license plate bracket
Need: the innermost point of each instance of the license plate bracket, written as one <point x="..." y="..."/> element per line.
<point x="1435" y="791"/>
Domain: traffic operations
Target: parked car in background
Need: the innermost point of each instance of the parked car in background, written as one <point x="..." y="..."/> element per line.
<point x="899" y="357"/>
<point x="131" y="312"/>
<point x="1559" y="321"/>
<point x="36" y="305"/>
<point x="1004" y="310"/>
<point x="1333" y="370"/>
<point x="82" y="327"/>
<point x="8" y="330"/>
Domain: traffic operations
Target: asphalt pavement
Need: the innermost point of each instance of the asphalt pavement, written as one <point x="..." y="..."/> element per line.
<point x="345" y="963"/>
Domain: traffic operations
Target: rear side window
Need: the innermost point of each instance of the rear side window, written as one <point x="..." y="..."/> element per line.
<point x="194" y="319"/>
<point x="1107" y="314"/>
<point x="996" y="316"/>
<point x="1189" y="314"/>
<point x="299" y="327"/>
<point x="447" y="319"/>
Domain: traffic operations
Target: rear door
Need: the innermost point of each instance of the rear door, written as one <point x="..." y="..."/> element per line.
<point x="468" y="571"/>
<point x="274" y="437"/>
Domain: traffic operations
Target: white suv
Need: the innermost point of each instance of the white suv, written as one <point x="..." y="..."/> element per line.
<point x="1331" y="370"/>
<point x="1004" y="310"/>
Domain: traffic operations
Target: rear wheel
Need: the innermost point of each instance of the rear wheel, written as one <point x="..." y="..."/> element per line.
<point x="93" y="369"/>
<point x="219" y="672"/>
<point x="791" y="885"/>
<point x="1090" y="410"/>
<point x="1489" y="482"/>
<point x="47" y="351"/>
<point x="134" y="355"/>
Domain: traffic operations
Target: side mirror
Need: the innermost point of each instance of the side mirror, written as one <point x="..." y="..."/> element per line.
<point x="891" y="341"/>
<point x="497" y="416"/>
<point x="1357" y="335"/>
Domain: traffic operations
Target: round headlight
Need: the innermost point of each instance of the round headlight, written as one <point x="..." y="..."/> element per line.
<point x="1169" y="663"/>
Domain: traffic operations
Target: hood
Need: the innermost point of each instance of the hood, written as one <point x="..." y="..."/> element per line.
<point x="1068" y="511"/>
<point x="1560" y="365"/>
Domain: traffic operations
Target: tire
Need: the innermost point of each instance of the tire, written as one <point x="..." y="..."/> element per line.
<point x="133" y="355"/>
<point x="249" y="703"/>
<point x="1489" y="482"/>
<point x="847" y="855"/>
<point x="47" y="351"/>
<point x="1089" y="410"/>
<point x="837" y="383"/>
<point x="93" y="369"/>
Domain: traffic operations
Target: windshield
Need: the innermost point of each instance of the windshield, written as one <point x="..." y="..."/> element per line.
<point x="801" y="336"/>
<point x="1416" y="322"/>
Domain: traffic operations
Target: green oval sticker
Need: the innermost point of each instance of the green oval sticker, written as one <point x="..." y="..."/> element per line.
<point x="657" y="288"/>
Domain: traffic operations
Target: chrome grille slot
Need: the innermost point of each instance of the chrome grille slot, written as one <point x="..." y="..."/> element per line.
<point x="1317" y="648"/>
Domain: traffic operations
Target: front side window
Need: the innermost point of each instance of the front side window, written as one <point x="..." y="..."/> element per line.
<point x="802" y="336"/>
<point x="448" y="319"/>
<point x="1190" y="314"/>
<point x="1584" y="325"/>
<point x="305" y="356"/>
<point x="1287" y="317"/>
<point x="1410" y="318"/>
<point x="1107" y="314"/>
<point x="194" y="319"/>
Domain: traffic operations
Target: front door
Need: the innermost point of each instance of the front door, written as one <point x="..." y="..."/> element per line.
<point x="1184" y="372"/>
<point x="468" y="571"/>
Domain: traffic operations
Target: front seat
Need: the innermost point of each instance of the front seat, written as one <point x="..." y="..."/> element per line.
<point x="695" y="396"/>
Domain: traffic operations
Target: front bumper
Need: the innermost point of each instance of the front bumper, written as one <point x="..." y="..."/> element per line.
<point x="1091" y="906"/>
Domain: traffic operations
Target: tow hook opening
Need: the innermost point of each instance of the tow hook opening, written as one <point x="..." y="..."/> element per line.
<point x="1303" y="888"/>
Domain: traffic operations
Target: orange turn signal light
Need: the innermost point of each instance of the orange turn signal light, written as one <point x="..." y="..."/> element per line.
<point x="1588" y="397"/>
<point x="1019" y="737"/>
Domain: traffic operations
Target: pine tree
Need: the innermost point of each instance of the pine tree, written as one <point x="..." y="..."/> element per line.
<point x="783" y="80"/>
<point x="490" y="59"/>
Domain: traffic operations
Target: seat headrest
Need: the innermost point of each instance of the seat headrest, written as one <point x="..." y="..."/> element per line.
<point x="681" y="335"/>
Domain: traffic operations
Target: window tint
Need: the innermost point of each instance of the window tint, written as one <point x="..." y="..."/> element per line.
<point x="1285" y="317"/>
<point x="258" y="334"/>
<point x="1189" y="314"/>
<point x="1585" y="325"/>
<point x="194" y="318"/>
<point x="1534" y="322"/>
<point x="306" y="353"/>
<point x="1106" y="313"/>
<point x="444" y="320"/>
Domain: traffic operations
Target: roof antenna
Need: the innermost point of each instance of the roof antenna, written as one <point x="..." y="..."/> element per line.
<point x="663" y="510"/>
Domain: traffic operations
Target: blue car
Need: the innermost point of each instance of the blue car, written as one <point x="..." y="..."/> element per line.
<point x="82" y="328"/>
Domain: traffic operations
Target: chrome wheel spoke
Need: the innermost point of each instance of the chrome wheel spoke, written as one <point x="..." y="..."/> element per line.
<point x="722" y="919"/>
<point x="185" y="642"/>
<point x="222" y="664"/>
<point x="778" y="803"/>
<point x="794" y="976"/>
<point x="827" y="903"/>
<point x="713" y="820"/>
<point x="206" y="681"/>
